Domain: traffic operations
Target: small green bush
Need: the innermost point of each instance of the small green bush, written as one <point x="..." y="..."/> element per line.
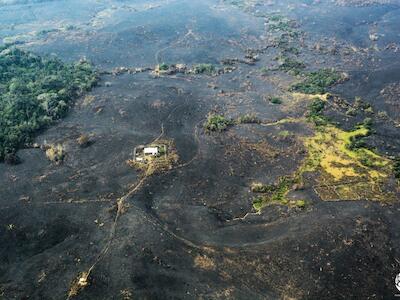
<point x="275" y="100"/>
<point x="217" y="123"/>
<point x="356" y="142"/>
<point x="163" y="67"/>
<point x="248" y="119"/>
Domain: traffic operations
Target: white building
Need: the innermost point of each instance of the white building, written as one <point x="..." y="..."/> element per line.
<point x="151" y="151"/>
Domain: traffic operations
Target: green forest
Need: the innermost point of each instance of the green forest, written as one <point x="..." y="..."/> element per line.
<point x="34" y="92"/>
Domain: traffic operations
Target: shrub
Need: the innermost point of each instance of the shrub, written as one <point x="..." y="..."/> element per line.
<point x="356" y="142"/>
<point x="163" y="67"/>
<point x="316" y="112"/>
<point x="367" y="123"/>
<point x="248" y="118"/>
<point x="83" y="141"/>
<point x="300" y="203"/>
<point x="204" y="69"/>
<point x="217" y="123"/>
<point x="275" y="100"/>
<point x="257" y="187"/>
<point x="55" y="153"/>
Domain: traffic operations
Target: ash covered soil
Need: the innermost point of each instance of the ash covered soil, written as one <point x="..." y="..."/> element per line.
<point x="94" y="227"/>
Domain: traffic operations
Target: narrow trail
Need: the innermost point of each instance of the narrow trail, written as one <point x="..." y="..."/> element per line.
<point x="120" y="203"/>
<point x="83" y="280"/>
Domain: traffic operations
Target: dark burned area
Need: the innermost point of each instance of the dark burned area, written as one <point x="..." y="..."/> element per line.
<point x="278" y="124"/>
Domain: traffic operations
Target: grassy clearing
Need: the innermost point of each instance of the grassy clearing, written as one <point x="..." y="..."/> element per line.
<point x="347" y="169"/>
<point x="330" y="152"/>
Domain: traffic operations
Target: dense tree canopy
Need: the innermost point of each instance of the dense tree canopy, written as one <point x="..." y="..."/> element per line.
<point x="34" y="92"/>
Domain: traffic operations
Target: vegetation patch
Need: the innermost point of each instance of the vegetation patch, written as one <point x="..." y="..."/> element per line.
<point x="55" y="153"/>
<point x="34" y="92"/>
<point x="284" y="133"/>
<point x="275" y="100"/>
<point x="163" y="67"/>
<point x="275" y="194"/>
<point x="217" y="123"/>
<point x="204" y="262"/>
<point x="347" y="172"/>
<point x="279" y="23"/>
<point x="204" y="69"/>
<point x="317" y="82"/>
<point x="290" y="65"/>
<point x="248" y="119"/>
<point x="316" y="112"/>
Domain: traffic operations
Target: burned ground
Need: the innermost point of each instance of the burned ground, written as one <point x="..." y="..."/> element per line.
<point x="192" y="230"/>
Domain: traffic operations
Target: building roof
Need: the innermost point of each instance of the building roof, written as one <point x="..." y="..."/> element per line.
<point x="151" y="150"/>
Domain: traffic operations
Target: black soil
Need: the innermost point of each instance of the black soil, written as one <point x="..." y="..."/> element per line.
<point x="192" y="232"/>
